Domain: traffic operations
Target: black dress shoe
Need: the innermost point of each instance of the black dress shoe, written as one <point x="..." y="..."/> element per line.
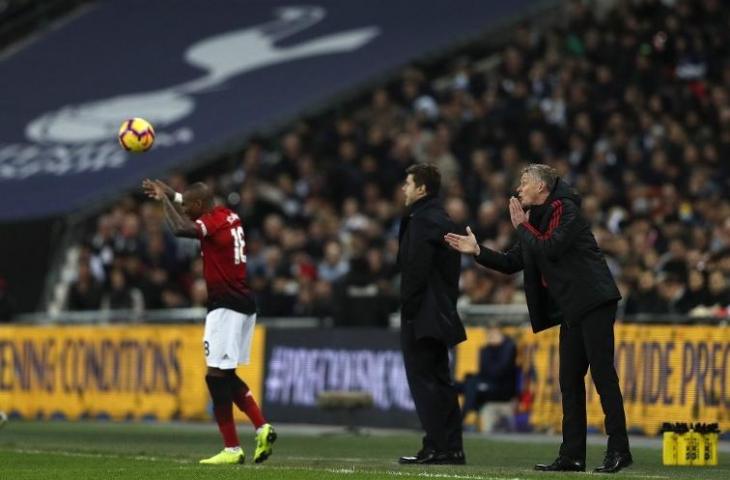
<point x="614" y="462"/>
<point x="446" y="458"/>
<point x="431" y="457"/>
<point x="415" y="459"/>
<point x="562" y="464"/>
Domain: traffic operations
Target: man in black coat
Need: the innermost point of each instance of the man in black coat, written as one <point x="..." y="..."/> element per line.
<point x="429" y="322"/>
<point x="567" y="283"/>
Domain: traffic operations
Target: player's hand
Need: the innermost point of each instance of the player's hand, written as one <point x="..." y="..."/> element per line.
<point x="166" y="188"/>
<point x="463" y="243"/>
<point x="153" y="189"/>
<point x="157" y="188"/>
<point x="516" y="213"/>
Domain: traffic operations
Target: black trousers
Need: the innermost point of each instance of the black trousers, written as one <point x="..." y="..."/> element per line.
<point x="429" y="378"/>
<point x="590" y="343"/>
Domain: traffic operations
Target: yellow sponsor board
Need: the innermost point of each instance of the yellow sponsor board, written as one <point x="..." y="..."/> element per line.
<point x="120" y="372"/>
<point x="667" y="374"/>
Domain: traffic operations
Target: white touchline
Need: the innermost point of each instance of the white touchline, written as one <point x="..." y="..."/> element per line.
<point x="342" y="470"/>
<point x="94" y="455"/>
<point x="391" y="473"/>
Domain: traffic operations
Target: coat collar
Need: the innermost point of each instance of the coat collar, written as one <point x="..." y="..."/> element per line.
<point x="421" y="204"/>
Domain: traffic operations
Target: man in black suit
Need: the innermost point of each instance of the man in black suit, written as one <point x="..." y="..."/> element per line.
<point x="567" y="282"/>
<point x="429" y="322"/>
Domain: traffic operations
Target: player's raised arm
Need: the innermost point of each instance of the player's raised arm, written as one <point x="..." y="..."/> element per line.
<point x="151" y="188"/>
<point x="180" y="225"/>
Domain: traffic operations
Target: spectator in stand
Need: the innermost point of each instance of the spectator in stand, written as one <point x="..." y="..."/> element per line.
<point x="496" y="380"/>
<point x="719" y="292"/>
<point x="644" y="298"/>
<point x="334" y="266"/>
<point x="674" y="294"/>
<point x="120" y="296"/>
<point x="697" y="294"/>
<point x="85" y="293"/>
<point x="358" y="299"/>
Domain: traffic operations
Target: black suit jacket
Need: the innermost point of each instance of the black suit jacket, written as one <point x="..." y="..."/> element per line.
<point x="565" y="273"/>
<point x="429" y="273"/>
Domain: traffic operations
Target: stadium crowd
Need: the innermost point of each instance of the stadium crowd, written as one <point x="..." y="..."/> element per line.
<point x="633" y="109"/>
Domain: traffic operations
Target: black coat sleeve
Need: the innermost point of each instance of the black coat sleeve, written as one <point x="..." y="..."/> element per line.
<point x="506" y="262"/>
<point x="559" y="236"/>
<point x="417" y="266"/>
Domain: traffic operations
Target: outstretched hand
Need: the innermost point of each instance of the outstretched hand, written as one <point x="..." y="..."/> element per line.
<point x="157" y="189"/>
<point x="463" y="243"/>
<point x="152" y="189"/>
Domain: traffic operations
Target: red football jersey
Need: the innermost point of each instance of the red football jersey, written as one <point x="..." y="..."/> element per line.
<point x="223" y="247"/>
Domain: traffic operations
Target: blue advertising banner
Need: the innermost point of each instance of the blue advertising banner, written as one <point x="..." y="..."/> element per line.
<point x="303" y="363"/>
<point x="203" y="73"/>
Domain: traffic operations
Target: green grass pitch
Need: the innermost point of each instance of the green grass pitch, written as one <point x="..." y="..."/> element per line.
<point x="133" y="451"/>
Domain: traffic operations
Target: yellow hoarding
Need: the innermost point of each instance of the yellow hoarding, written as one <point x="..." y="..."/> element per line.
<point x="119" y="372"/>
<point x="667" y="374"/>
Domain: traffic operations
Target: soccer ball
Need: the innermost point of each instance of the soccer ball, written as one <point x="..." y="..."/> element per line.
<point x="136" y="135"/>
<point x="3" y="418"/>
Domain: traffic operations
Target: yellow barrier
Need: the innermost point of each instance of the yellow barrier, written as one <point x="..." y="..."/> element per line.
<point x="123" y="372"/>
<point x="689" y="445"/>
<point x="690" y="449"/>
<point x="711" y="445"/>
<point x="678" y="373"/>
<point x="669" y="448"/>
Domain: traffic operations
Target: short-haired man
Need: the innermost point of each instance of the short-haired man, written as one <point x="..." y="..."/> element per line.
<point x="429" y="322"/>
<point x="567" y="283"/>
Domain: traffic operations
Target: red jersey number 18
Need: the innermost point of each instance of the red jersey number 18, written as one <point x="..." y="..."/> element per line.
<point x="239" y="243"/>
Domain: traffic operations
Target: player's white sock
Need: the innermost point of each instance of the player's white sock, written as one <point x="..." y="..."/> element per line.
<point x="233" y="449"/>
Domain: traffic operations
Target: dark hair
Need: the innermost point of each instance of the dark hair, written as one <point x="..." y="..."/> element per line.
<point x="427" y="175"/>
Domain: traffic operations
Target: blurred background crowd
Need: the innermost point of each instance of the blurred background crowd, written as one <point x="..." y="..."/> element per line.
<point x="633" y="109"/>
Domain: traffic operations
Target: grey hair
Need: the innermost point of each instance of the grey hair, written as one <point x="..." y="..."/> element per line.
<point x="542" y="173"/>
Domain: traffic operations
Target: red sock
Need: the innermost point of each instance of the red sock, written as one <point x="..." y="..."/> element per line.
<point x="224" y="418"/>
<point x="247" y="404"/>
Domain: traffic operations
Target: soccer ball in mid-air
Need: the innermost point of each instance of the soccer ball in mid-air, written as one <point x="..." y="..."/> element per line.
<point x="136" y="135"/>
